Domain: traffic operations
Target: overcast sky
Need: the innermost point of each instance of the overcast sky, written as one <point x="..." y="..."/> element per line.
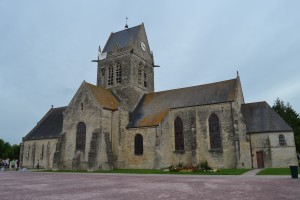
<point x="46" y="48"/>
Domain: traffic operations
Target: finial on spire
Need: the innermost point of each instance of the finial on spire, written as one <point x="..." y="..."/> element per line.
<point x="237" y="73"/>
<point x="126" y="26"/>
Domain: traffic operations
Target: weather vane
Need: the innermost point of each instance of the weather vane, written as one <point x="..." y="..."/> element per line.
<point x="126" y="26"/>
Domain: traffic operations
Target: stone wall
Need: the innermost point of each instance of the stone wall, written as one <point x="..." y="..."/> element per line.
<point x="159" y="142"/>
<point x="119" y="137"/>
<point x="240" y="137"/>
<point x="274" y="154"/>
<point x="59" y="153"/>
<point x="95" y="118"/>
<point x="130" y="90"/>
<point x="146" y="160"/>
<point x="196" y="136"/>
<point x="38" y="151"/>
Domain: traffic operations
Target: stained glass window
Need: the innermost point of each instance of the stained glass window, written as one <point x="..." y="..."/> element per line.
<point x="179" y="139"/>
<point x="138" y="144"/>
<point x="214" y="132"/>
<point x="281" y="140"/>
<point x="42" y="154"/>
<point x="80" y="136"/>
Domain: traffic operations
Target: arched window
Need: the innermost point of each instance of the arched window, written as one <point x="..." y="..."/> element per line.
<point x="179" y="139"/>
<point x="138" y="144"/>
<point x="214" y="132"/>
<point x="102" y="71"/>
<point x="282" y="140"/>
<point x="28" y="150"/>
<point x="118" y="72"/>
<point x="80" y="136"/>
<point x="42" y="154"/>
<point x="110" y="80"/>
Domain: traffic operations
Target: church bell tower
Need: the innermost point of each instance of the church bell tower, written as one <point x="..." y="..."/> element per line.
<point x="126" y="65"/>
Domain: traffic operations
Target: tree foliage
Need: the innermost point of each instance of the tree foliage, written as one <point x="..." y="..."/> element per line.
<point x="291" y="117"/>
<point x="9" y="151"/>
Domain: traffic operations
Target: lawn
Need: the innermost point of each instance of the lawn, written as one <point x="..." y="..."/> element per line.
<point x="276" y="171"/>
<point x="155" y="171"/>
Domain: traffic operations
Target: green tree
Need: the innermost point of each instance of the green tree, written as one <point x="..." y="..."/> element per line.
<point x="291" y="117"/>
<point x="15" y="151"/>
<point x="9" y="151"/>
<point x="6" y="150"/>
<point x="1" y="147"/>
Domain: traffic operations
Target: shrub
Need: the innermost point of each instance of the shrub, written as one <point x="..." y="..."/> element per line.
<point x="172" y="168"/>
<point x="204" y="166"/>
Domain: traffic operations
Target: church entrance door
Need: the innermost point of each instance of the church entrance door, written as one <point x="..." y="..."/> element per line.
<point x="260" y="159"/>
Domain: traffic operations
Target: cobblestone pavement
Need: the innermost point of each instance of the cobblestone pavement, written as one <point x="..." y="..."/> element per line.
<point x="36" y="185"/>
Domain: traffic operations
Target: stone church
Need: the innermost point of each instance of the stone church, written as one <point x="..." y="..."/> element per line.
<point x="121" y="122"/>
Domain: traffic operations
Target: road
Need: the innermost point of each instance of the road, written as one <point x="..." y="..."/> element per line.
<point x="42" y="186"/>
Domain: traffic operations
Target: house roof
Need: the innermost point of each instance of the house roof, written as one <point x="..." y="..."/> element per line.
<point x="122" y="38"/>
<point x="105" y="97"/>
<point x="153" y="107"/>
<point x="49" y="127"/>
<point x="260" y="117"/>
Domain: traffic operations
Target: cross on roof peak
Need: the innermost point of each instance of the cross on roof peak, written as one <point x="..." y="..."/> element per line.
<point x="126" y="25"/>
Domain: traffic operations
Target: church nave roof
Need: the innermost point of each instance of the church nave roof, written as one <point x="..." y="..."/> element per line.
<point x="105" y="97"/>
<point x="49" y="127"/>
<point x="154" y="106"/>
<point x="260" y="117"/>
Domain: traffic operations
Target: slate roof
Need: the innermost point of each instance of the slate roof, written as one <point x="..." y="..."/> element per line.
<point x="260" y="117"/>
<point x="122" y="38"/>
<point x="49" y="127"/>
<point x="153" y="107"/>
<point x="105" y="97"/>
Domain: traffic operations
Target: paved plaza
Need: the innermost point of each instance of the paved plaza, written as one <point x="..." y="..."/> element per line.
<point x="38" y="185"/>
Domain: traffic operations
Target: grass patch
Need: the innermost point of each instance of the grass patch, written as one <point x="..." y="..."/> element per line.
<point x="155" y="171"/>
<point x="131" y="171"/>
<point x="116" y="171"/>
<point x="231" y="171"/>
<point x="219" y="172"/>
<point x="275" y="171"/>
<point x="64" y="171"/>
